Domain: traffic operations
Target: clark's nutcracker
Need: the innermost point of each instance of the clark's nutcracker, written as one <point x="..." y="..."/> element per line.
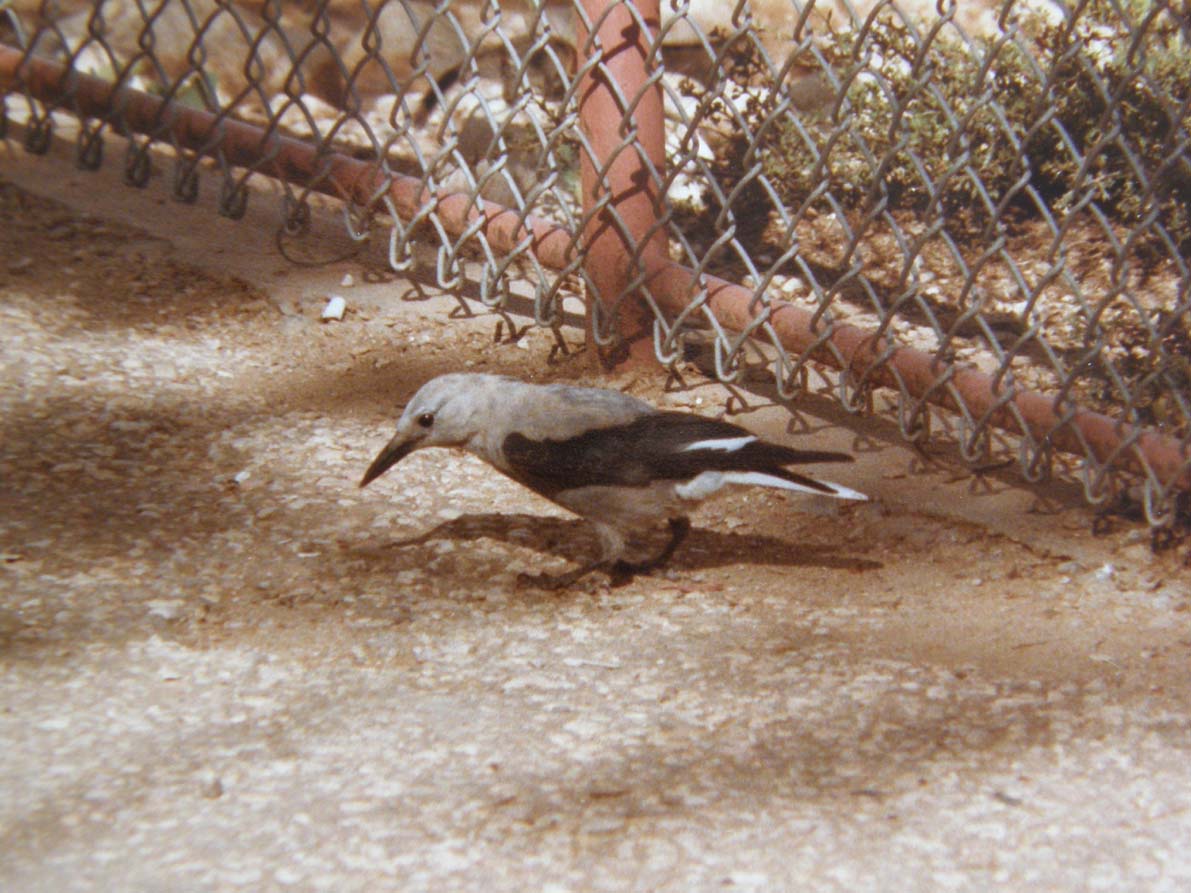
<point x="608" y="457"/>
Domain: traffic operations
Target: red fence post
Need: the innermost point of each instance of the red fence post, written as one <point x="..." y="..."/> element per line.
<point x="623" y="126"/>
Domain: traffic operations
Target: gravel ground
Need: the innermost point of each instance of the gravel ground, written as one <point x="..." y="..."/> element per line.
<point x="225" y="667"/>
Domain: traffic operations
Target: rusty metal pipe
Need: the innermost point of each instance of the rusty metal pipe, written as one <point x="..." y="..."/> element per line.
<point x="617" y="241"/>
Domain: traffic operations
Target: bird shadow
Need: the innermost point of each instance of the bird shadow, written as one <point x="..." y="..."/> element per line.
<point x="574" y="540"/>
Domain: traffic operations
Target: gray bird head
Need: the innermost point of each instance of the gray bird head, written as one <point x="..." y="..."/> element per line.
<point x="444" y="412"/>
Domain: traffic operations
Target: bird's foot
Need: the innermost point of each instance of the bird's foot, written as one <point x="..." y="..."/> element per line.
<point x="619" y="572"/>
<point x="622" y="572"/>
<point x="626" y="570"/>
<point x="554" y="582"/>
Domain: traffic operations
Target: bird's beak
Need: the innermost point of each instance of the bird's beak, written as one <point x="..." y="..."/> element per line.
<point x="395" y="450"/>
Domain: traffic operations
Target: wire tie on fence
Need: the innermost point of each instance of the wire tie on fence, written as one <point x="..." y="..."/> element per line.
<point x="664" y="346"/>
<point x="783" y="378"/>
<point x="137" y="165"/>
<point x="357" y="221"/>
<point x="233" y="199"/>
<point x="398" y="240"/>
<point x="90" y="148"/>
<point x="915" y="424"/>
<point x="727" y="360"/>
<point x="503" y="320"/>
<point x="38" y="136"/>
<point x="186" y="181"/>
<point x="1035" y="458"/>
<point x="1159" y="507"/>
<point x="445" y="261"/>
<point x="975" y="444"/>
<point x="1098" y="488"/>
<point x="854" y="395"/>
<point x="560" y="344"/>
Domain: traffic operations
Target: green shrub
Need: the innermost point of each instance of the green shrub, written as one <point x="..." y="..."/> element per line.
<point x="1077" y="111"/>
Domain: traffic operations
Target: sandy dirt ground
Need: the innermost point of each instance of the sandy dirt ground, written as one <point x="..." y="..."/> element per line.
<point x="223" y="666"/>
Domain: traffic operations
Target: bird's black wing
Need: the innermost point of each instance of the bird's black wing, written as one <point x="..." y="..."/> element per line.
<point x="650" y="448"/>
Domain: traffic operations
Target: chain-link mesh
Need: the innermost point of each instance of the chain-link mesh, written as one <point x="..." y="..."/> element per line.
<point x="984" y="207"/>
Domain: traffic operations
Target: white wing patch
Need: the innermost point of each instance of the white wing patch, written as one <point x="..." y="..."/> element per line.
<point x="723" y="444"/>
<point x="701" y="485"/>
<point x="708" y="482"/>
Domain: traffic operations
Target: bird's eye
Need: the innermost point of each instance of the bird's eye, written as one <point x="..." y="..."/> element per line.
<point x="426" y="419"/>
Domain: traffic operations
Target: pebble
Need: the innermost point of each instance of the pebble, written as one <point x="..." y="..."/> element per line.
<point x="165" y="608"/>
<point x="606" y="824"/>
<point x="210" y="786"/>
<point x="792" y="286"/>
<point x="335" y="309"/>
<point x="1139" y="535"/>
<point x="287" y="876"/>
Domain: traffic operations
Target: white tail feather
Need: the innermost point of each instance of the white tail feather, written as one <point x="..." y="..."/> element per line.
<point x="708" y="482"/>
<point x="762" y="479"/>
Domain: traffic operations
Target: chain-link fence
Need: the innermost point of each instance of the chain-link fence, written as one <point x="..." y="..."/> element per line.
<point x="984" y="208"/>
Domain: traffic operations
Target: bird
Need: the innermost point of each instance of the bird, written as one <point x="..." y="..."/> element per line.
<point x="615" y="460"/>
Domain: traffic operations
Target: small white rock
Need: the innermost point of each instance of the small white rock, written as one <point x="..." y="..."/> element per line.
<point x="348" y="280"/>
<point x="603" y="824"/>
<point x="165" y="608"/>
<point x="335" y="308"/>
<point x="241" y="476"/>
<point x="210" y="785"/>
<point x="287" y="876"/>
<point x="750" y="880"/>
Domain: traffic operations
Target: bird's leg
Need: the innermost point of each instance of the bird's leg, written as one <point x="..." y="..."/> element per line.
<point x="679" y="528"/>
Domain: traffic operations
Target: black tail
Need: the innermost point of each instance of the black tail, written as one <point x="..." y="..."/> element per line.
<point x="763" y="455"/>
<point x="802" y="480"/>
